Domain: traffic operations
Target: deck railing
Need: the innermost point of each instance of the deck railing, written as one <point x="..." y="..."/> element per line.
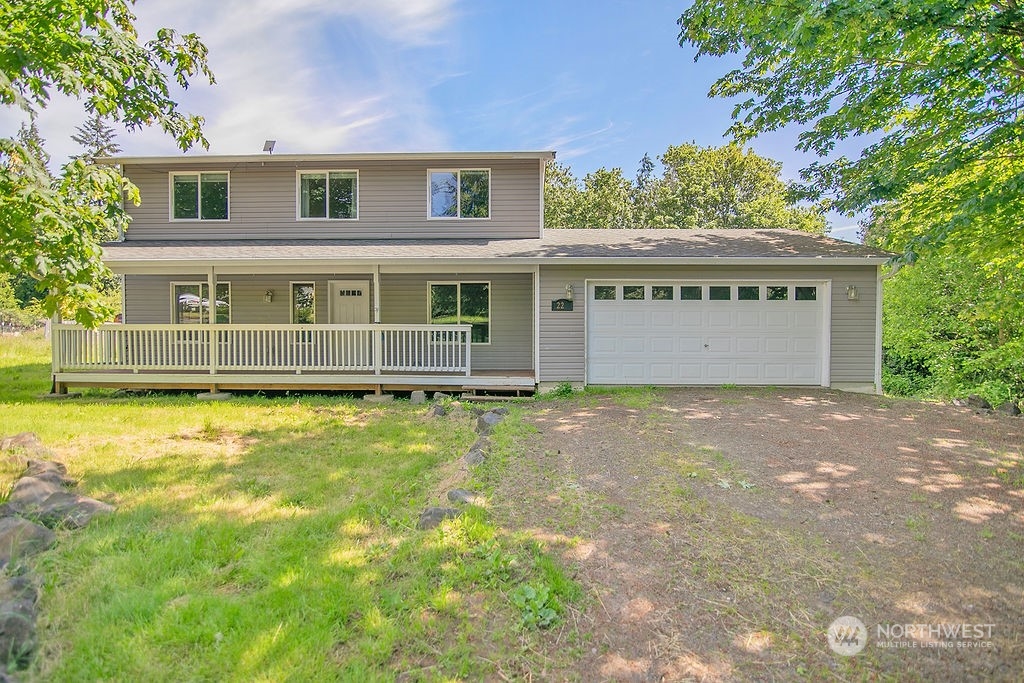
<point x="263" y="348"/>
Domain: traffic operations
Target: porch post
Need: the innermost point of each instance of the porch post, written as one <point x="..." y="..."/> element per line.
<point x="376" y="294"/>
<point x="211" y="313"/>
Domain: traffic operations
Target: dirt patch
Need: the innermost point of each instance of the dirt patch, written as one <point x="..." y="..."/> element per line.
<point x="718" y="533"/>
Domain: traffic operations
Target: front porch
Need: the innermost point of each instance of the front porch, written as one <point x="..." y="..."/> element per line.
<point x="274" y="357"/>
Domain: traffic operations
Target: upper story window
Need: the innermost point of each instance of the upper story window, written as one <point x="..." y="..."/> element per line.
<point x="462" y="193"/>
<point x="328" y="195"/>
<point x="199" y="196"/>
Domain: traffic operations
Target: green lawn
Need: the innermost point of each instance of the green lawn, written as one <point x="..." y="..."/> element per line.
<point x="270" y="539"/>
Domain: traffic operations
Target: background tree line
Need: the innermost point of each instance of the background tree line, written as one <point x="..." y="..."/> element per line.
<point x="698" y="187"/>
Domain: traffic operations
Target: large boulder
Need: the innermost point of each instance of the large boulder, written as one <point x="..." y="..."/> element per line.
<point x="18" y="598"/>
<point x="21" y="538"/>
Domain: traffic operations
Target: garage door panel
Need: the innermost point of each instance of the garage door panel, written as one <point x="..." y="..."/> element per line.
<point x="662" y="345"/>
<point x="748" y="344"/>
<point x="805" y="345"/>
<point x="720" y="319"/>
<point x="633" y="345"/>
<point x="663" y="319"/>
<point x="690" y="344"/>
<point x="704" y="342"/>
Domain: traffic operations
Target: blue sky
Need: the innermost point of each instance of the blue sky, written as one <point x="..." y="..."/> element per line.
<point x="601" y="82"/>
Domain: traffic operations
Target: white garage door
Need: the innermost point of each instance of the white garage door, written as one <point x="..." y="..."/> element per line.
<point x="705" y="333"/>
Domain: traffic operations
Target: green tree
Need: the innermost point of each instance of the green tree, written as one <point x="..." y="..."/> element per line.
<point x="934" y="86"/>
<point x="97" y="139"/>
<point x="728" y="187"/>
<point x="700" y="187"/>
<point x="88" y="49"/>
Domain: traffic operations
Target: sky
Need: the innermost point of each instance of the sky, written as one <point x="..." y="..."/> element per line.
<point x="600" y="82"/>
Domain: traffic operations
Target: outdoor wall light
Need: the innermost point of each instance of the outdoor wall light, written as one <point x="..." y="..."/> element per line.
<point x="569" y="291"/>
<point x="851" y="293"/>
<point x="269" y="296"/>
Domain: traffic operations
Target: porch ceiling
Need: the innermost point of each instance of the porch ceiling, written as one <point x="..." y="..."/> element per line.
<point x="735" y="247"/>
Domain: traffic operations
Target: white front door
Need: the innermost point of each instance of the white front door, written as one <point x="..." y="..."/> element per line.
<point x="349" y="303"/>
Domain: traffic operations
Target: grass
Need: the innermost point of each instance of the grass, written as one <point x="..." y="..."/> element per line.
<point x="269" y="539"/>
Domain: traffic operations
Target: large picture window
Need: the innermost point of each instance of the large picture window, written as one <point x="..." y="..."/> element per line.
<point x="191" y="303"/>
<point x="460" y="194"/>
<point x="330" y="195"/>
<point x="454" y="303"/>
<point x="199" y="196"/>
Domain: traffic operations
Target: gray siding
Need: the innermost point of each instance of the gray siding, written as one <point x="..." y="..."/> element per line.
<point x="392" y="203"/>
<point x="403" y="301"/>
<point x="147" y="298"/>
<point x="562" y="334"/>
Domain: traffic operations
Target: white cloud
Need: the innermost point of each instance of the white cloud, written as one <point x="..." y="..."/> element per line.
<point x="316" y="75"/>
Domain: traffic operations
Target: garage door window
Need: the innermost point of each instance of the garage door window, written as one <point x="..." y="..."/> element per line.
<point x="778" y="293"/>
<point x="690" y="293"/>
<point x="748" y="293"/>
<point x="604" y="292"/>
<point x="661" y="292"/>
<point x="633" y="292"/>
<point x="719" y="293"/>
<point x="806" y="293"/>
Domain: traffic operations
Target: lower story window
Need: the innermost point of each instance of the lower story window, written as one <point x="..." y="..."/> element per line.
<point x="191" y="303"/>
<point x="467" y="303"/>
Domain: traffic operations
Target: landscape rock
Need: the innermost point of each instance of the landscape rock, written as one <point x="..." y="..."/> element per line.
<point x="18" y="598"/>
<point x="500" y="410"/>
<point x="433" y="516"/>
<point x="21" y="538"/>
<point x="436" y="410"/>
<point x="485" y="423"/>
<point x="27" y="442"/>
<point x="482" y="444"/>
<point x="440" y="395"/>
<point x="69" y="510"/>
<point x="379" y="398"/>
<point x="960" y="402"/>
<point x="465" y="496"/>
<point x="1010" y="408"/>
<point x="975" y="401"/>
<point x="418" y="398"/>
<point x="29" y="493"/>
<point x="48" y="470"/>
<point x="474" y="457"/>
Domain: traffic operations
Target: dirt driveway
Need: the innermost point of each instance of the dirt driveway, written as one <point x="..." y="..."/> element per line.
<point x="718" y="533"/>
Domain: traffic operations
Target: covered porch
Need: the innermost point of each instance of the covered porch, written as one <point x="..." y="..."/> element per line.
<point x="217" y="317"/>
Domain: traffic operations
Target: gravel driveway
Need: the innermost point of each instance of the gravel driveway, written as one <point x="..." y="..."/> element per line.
<point x="717" y="533"/>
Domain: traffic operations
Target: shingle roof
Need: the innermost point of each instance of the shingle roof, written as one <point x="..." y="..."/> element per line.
<point x="576" y="245"/>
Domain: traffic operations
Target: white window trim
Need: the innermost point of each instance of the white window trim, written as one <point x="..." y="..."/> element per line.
<point x="291" y="299"/>
<point x="199" y="207"/>
<point x="298" y="194"/>
<point x="458" y="300"/>
<point x="201" y="284"/>
<point x="458" y="195"/>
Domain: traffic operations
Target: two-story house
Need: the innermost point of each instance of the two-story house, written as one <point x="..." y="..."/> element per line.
<point x="434" y="270"/>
